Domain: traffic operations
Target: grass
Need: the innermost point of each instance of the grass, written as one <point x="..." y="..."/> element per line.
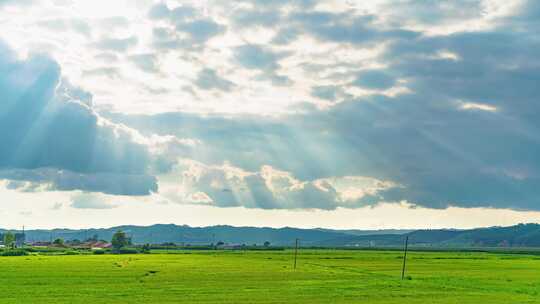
<point x="323" y="276"/>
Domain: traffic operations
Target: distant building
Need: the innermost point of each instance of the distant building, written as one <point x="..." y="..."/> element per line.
<point x="93" y="245"/>
<point x="101" y="245"/>
<point x="231" y="246"/>
<point x="41" y="244"/>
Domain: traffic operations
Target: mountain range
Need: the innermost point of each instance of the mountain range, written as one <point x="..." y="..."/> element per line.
<point x="522" y="235"/>
<point x="169" y="233"/>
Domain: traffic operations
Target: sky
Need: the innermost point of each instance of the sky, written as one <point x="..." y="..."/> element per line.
<point x="306" y="113"/>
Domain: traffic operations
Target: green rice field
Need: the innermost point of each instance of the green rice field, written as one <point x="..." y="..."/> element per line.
<point x="322" y="276"/>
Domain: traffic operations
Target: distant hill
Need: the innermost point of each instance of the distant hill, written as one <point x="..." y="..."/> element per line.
<point x="522" y="235"/>
<point x="193" y="235"/>
<point x="370" y="232"/>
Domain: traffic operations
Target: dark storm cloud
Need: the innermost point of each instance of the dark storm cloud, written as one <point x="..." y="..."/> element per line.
<point x="46" y="123"/>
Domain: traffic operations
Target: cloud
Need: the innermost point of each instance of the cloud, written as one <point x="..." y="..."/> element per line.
<point x="477" y="107"/>
<point x="491" y="67"/>
<point x="201" y="30"/>
<point x="246" y="18"/>
<point x="116" y="44"/>
<point x="164" y="38"/>
<point x="107" y="57"/>
<point x="109" y="72"/>
<point x="464" y="132"/>
<point x="461" y="132"/>
<point x="257" y="57"/>
<point x="434" y="12"/>
<point x="208" y="79"/>
<point x="146" y="62"/>
<point x="278" y="4"/>
<point x="90" y="201"/>
<point x="186" y="27"/>
<point x="374" y="79"/>
<point x="343" y="27"/>
<point x="263" y="59"/>
<point x="111" y="23"/>
<point x="161" y="11"/>
<point x="4" y="3"/>
<point x="329" y="92"/>
<point x="227" y="186"/>
<point x="63" y="25"/>
<point x="441" y="154"/>
<point x="49" y="179"/>
<point x="41" y="117"/>
<point x="57" y="206"/>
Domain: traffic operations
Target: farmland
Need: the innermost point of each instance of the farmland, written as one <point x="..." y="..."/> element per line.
<point x="323" y="276"/>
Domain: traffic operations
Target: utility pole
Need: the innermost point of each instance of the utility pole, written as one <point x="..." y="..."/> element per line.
<point x="405" y="258"/>
<point x="295" y="253"/>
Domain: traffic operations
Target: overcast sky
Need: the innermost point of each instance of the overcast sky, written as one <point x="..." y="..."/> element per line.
<point x="338" y="113"/>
